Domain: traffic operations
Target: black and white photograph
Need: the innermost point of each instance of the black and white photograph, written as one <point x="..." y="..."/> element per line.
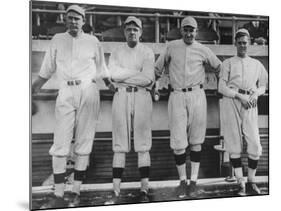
<point x="138" y="105"/>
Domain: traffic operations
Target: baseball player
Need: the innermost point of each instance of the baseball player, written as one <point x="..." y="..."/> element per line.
<point x="132" y="69"/>
<point x="242" y="80"/>
<point x="187" y="108"/>
<point x="78" y="60"/>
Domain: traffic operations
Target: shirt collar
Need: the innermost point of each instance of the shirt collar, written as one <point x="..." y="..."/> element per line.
<point x="81" y="34"/>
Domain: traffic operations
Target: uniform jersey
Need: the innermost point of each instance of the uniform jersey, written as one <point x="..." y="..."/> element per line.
<point x="186" y="64"/>
<point x="74" y="58"/>
<point x="187" y="110"/>
<point x="77" y="106"/>
<point x="250" y="75"/>
<point x="132" y="67"/>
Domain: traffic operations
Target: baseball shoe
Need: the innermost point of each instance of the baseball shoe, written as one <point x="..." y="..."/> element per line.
<point x="193" y="190"/>
<point x="115" y="199"/>
<point x="55" y="202"/>
<point x="181" y="190"/>
<point x="143" y="197"/>
<point x="73" y="200"/>
<point x="242" y="188"/>
<point x="252" y="188"/>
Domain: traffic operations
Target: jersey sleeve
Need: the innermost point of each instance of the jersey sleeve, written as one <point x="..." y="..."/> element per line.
<point x="162" y="62"/>
<point x="213" y="61"/>
<point x="224" y="78"/>
<point x="118" y="72"/>
<point x="48" y="67"/>
<point x="148" y="65"/>
<point x="263" y="76"/>
<point x="102" y="70"/>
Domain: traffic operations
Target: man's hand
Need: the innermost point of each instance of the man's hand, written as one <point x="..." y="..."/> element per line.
<point x="244" y="99"/>
<point x="109" y="84"/>
<point x="253" y="99"/>
<point x="111" y="87"/>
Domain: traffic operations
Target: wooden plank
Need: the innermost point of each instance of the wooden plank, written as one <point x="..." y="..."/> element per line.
<point x="162" y="159"/>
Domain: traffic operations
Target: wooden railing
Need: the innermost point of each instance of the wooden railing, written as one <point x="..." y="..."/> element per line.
<point x="157" y="16"/>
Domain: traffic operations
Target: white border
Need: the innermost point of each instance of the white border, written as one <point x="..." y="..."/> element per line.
<point x="15" y="91"/>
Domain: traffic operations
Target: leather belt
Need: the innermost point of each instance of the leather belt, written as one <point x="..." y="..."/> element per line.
<point x="130" y="89"/>
<point x="244" y="92"/>
<point x="77" y="82"/>
<point x="187" y="89"/>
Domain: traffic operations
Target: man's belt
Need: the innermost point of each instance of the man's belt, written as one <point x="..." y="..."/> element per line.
<point x="188" y="89"/>
<point x="244" y="92"/>
<point x="130" y="89"/>
<point x="78" y="82"/>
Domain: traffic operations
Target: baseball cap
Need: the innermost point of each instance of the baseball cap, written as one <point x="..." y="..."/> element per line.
<point x="76" y="9"/>
<point x="243" y="32"/>
<point x="189" y="21"/>
<point x="133" y="19"/>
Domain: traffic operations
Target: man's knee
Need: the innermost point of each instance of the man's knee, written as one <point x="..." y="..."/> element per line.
<point x="119" y="159"/>
<point x="180" y="156"/>
<point x="195" y="147"/>
<point x="144" y="159"/>
<point x="179" y="151"/>
<point x="81" y="162"/>
<point x="59" y="164"/>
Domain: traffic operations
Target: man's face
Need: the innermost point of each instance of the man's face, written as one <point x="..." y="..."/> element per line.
<point x="188" y="34"/>
<point x="132" y="34"/>
<point x="242" y="44"/>
<point x="74" y="22"/>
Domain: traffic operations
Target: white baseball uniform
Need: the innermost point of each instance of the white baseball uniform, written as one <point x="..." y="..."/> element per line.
<point x="187" y="110"/>
<point x="246" y="74"/>
<point x="132" y="67"/>
<point x="77" y="61"/>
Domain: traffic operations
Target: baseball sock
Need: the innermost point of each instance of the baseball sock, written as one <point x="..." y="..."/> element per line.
<point x="252" y="168"/>
<point x="116" y="186"/>
<point x="195" y="157"/>
<point x="79" y="176"/>
<point x="59" y="168"/>
<point x="117" y="175"/>
<point x="144" y="184"/>
<point x="59" y="189"/>
<point x="237" y="165"/>
<point x="181" y="165"/>
<point x="144" y="173"/>
<point x="59" y="180"/>
<point x="81" y="164"/>
<point x="194" y="171"/>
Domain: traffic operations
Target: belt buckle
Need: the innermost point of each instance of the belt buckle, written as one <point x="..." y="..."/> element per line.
<point x="131" y="89"/>
<point x="70" y="83"/>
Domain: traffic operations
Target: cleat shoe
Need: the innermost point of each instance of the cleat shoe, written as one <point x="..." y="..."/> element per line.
<point x="252" y="189"/>
<point x="55" y="202"/>
<point x="242" y="188"/>
<point x="74" y="200"/>
<point x="143" y="197"/>
<point x="115" y="199"/>
<point x="181" y="190"/>
<point x="193" y="190"/>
